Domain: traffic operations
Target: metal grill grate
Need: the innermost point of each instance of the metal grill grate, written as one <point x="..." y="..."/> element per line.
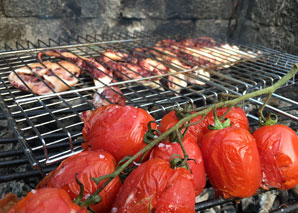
<point x="49" y="126"/>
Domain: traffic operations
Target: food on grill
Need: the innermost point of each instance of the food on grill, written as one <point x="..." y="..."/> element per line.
<point x="7" y="202"/>
<point x="170" y="119"/>
<point x="45" y="78"/>
<point x="278" y="149"/>
<point x="116" y="129"/>
<point x="236" y="115"/>
<point x="155" y="187"/>
<point x="47" y="200"/>
<point x="232" y="162"/>
<point x="87" y="165"/>
<point x="167" y="148"/>
<point x="99" y="73"/>
<point x="109" y="95"/>
<point x="204" y="51"/>
<point x="135" y="67"/>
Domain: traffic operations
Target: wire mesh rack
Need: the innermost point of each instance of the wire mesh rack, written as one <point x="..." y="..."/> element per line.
<point x="49" y="126"/>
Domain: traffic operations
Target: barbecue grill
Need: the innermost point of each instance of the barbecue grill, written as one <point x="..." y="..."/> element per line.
<point x="43" y="130"/>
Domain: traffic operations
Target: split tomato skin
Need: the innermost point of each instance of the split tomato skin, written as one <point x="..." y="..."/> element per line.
<point x="165" y="150"/>
<point x="232" y="162"/>
<point x="155" y="187"/>
<point x="86" y="165"/>
<point x="117" y="129"/>
<point x="278" y="148"/>
<point x="47" y="200"/>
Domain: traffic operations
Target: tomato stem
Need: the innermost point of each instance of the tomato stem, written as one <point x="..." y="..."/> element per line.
<point x="163" y="136"/>
<point x="217" y="123"/>
<point x="184" y="162"/>
<point x="268" y="120"/>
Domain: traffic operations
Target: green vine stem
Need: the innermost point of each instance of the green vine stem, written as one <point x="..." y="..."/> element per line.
<point x="271" y="119"/>
<point x="155" y="141"/>
<point x="185" y="157"/>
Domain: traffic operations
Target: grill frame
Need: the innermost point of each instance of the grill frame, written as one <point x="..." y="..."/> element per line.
<point x="35" y="162"/>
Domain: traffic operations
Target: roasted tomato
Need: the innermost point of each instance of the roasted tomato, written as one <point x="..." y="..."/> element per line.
<point x="7" y="202"/>
<point x="116" y="129"/>
<point x="155" y="187"/>
<point x="47" y="200"/>
<point x="236" y="115"/>
<point x="165" y="150"/>
<point x="278" y="149"/>
<point x="86" y="165"/>
<point x="232" y="162"/>
<point x="170" y="119"/>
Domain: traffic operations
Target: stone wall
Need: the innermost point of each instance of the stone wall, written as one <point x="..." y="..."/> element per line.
<point x="271" y="23"/>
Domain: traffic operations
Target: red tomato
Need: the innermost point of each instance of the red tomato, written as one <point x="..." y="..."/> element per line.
<point x="116" y="129"/>
<point x="47" y="200"/>
<point x="154" y="186"/>
<point x="236" y="115"/>
<point x="170" y="119"/>
<point x="232" y="162"/>
<point x="86" y="164"/>
<point x="165" y="150"/>
<point x="278" y="149"/>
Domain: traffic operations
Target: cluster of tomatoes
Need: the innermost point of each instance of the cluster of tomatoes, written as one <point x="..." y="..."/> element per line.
<point x="236" y="163"/>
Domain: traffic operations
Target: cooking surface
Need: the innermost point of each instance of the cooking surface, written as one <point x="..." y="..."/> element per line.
<point x="49" y="126"/>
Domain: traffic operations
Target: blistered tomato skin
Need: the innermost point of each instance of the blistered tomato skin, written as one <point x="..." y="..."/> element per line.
<point x="232" y="162"/>
<point x="155" y="187"/>
<point x="278" y="148"/>
<point x="117" y="129"/>
<point x="165" y="150"/>
<point x="87" y="165"/>
<point x="48" y="200"/>
<point x="170" y="119"/>
<point x="236" y="115"/>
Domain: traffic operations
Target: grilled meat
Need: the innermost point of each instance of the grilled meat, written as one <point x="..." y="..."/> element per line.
<point x="100" y="74"/>
<point x="45" y="78"/>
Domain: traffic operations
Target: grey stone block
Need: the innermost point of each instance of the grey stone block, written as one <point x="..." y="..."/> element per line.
<point x="210" y="27"/>
<point x="33" y="28"/>
<point x="199" y="9"/>
<point x="52" y="8"/>
<point x="142" y="9"/>
<point x="272" y="13"/>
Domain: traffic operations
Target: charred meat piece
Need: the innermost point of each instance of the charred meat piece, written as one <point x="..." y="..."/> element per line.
<point x="110" y="95"/>
<point x="45" y="78"/>
<point x="100" y="74"/>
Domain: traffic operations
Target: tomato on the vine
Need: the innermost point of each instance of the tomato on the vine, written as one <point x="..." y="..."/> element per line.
<point x="236" y="115"/>
<point x="117" y="129"/>
<point x="87" y="165"/>
<point x="170" y="120"/>
<point x="278" y="149"/>
<point x="166" y="149"/>
<point x="47" y="200"/>
<point x="232" y="162"/>
<point x="155" y="187"/>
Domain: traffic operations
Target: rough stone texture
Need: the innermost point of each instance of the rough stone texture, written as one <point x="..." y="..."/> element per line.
<point x="52" y="8"/>
<point x="217" y="28"/>
<point x="141" y="9"/>
<point x="270" y="23"/>
<point x="46" y="28"/>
